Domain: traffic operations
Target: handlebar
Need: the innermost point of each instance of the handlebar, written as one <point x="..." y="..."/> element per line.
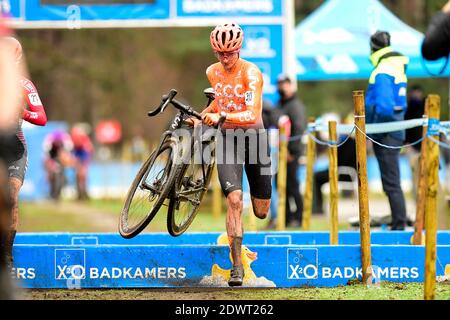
<point x="169" y="98"/>
<point x="166" y="99"/>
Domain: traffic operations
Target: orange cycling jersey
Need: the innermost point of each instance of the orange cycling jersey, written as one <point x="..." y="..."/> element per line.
<point x="238" y="93"/>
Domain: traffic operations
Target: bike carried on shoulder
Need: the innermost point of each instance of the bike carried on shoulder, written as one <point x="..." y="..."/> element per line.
<point x="171" y="173"/>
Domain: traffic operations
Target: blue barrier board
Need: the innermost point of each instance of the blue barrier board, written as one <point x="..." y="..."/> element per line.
<point x="132" y="266"/>
<point x="271" y="259"/>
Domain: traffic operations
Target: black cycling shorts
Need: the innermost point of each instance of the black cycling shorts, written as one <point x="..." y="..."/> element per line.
<point x="247" y="149"/>
<point x="18" y="167"/>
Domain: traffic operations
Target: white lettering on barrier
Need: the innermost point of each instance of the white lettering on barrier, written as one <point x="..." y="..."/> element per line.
<point x="71" y="272"/>
<point x="382" y="272"/>
<point x="93" y="273"/>
<point x="161" y="273"/>
<point x="351" y="273"/>
<point x="308" y="274"/>
<point x="171" y="273"/>
<point x="294" y="273"/>
<point x="359" y="273"/>
<point x="127" y="272"/>
<point x="394" y="273"/>
<point x="302" y="263"/>
<point x="326" y="272"/>
<point x="23" y="273"/>
<point x="337" y="273"/>
<point x="404" y="272"/>
<point x="138" y="273"/>
<point x="150" y="273"/>
<point x="133" y="273"/>
<point x="105" y="274"/>
<point x="77" y="272"/>
<point x="310" y="271"/>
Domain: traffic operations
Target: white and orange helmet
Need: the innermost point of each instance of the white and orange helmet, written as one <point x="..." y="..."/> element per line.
<point x="227" y="37"/>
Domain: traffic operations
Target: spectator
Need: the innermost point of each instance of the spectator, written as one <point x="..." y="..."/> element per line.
<point x="82" y="151"/>
<point x="269" y="115"/>
<point x="139" y="149"/>
<point x="386" y="101"/>
<point x="58" y="156"/>
<point x="290" y="106"/>
<point x="436" y="43"/>
<point x="270" y="121"/>
<point x="346" y="158"/>
<point x="415" y="110"/>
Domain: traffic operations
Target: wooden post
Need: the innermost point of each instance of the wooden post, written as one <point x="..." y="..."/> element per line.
<point x="333" y="177"/>
<point x="281" y="181"/>
<point x="217" y="195"/>
<point x="308" y="197"/>
<point x="363" y="189"/>
<point x="432" y="166"/>
<point x="421" y="186"/>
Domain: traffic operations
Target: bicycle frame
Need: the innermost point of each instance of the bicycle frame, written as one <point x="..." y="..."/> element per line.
<point x="178" y="122"/>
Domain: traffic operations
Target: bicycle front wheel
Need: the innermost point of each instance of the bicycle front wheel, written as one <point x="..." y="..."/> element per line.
<point x="149" y="190"/>
<point x="190" y="187"/>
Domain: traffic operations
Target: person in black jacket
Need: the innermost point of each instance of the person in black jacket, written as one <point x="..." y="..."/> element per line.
<point x="415" y="110"/>
<point x="290" y="105"/>
<point x="346" y="158"/>
<point x="436" y="44"/>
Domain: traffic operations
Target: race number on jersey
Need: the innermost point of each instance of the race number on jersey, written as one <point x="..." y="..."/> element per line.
<point x="34" y="99"/>
<point x="249" y="98"/>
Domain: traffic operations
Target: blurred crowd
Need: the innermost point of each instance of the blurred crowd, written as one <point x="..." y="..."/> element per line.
<point x="68" y="150"/>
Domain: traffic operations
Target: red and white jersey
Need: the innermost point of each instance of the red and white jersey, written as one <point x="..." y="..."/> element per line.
<point x="36" y="113"/>
<point x="33" y="110"/>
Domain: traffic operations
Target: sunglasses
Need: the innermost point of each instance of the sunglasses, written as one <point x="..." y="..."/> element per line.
<point x="225" y="54"/>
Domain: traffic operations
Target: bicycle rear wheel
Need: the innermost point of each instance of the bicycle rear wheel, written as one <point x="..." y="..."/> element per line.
<point x="150" y="188"/>
<point x="186" y="196"/>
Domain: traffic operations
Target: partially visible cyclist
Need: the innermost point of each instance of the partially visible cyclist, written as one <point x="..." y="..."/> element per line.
<point x="10" y="94"/>
<point x="82" y="151"/>
<point x="238" y="96"/>
<point x="58" y="148"/>
<point x="32" y="112"/>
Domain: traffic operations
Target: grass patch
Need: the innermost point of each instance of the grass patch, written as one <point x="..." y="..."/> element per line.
<point x="38" y="218"/>
<point x="70" y="216"/>
<point x="386" y="291"/>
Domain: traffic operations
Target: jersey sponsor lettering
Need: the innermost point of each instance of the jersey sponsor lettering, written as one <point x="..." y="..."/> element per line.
<point x="253" y="78"/>
<point x="28" y="86"/>
<point x="237" y="92"/>
<point x="246" y="116"/>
